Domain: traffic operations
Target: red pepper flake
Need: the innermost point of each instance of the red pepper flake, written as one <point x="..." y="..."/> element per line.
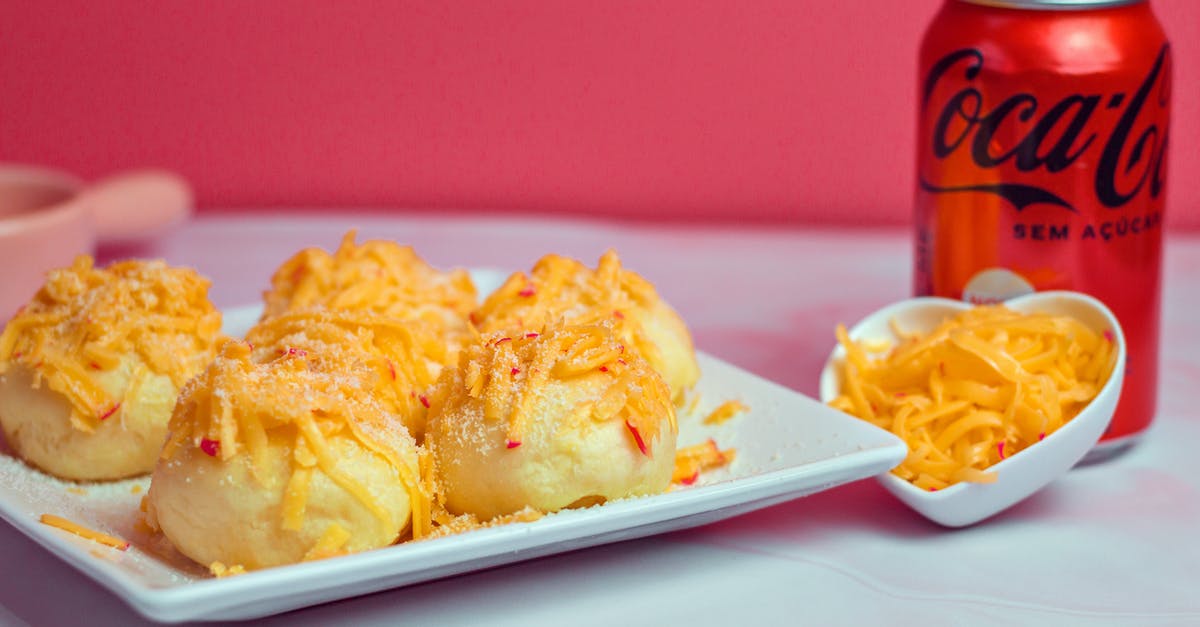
<point x="942" y="368"/>
<point x="622" y="362"/>
<point x="603" y="368"/>
<point x="620" y="348"/>
<point x="94" y="366"/>
<point x="1000" y="449"/>
<point x="210" y="447"/>
<point x="412" y="394"/>
<point x="111" y="410"/>
<point x="637" y="437"/>
<point x="1041" y="436"/>
<point x="297" y="274"/>
<point x="424" y="401"/>
<point x="250" y="345"/>
<point x="512" y="443"/>
<point x="17" y="355"/>
<point x="515" y="371"/>
<point x="527" y="292"/>
<point x="900" y="395"/>
<point x="297" y="352"/>
<point x="692" y="479"/>
<point x="617" y="314"/>
<point x="873" y="407"/>
<point x="39" y="364"/>
<point x="502" y="340"/>
<point x="1108" y="335"/>
<point x="933" y="489"/>
<point x="531" y="335"/>
<point x="473" y="317"/>
<point x="391" y="369"/>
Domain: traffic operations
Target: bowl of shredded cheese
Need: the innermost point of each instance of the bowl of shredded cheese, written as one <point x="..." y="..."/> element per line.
<point x="994" y="401"/>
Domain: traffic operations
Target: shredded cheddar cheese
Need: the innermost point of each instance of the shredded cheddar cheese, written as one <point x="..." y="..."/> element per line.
<point x="406" y="357"/>
<point x="84" y="532"/>
<point x="219" y="570"/>
<point x="447" y="524"/>
<point x="508" y="372"/>
<point x="981" y="387"/>
<point x="725" y="411"/>
<point x="330" y="544"/>
<point x="563" y="289"/>
<point x="378" y="276"/>
<point x="692" y="460"/>
<point x="237" y="405"/>
<point x="87" y="319"/>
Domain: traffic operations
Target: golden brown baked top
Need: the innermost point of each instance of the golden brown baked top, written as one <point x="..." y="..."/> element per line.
<point x="239" y="404"/>
<point x="379" y="276"/>
<point x="87" y="319"/>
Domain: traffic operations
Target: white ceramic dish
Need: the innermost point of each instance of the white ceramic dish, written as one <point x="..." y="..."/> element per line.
<point x="788" y="446"/>
<point x="1028" y="471"/>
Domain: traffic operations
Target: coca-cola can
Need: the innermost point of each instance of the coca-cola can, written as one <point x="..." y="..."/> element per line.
<point x="1041" y="164"/>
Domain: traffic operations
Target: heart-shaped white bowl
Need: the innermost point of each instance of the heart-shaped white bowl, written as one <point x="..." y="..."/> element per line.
<point x="1021" y="474"/>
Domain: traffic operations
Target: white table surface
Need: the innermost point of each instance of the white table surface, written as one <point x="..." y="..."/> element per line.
<point x="1110" y="544"/>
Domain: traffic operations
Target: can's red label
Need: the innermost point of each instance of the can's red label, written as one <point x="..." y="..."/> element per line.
<point x="1042" y="142"/>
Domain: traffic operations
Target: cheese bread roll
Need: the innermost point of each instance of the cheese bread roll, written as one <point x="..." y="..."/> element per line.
<point x="377" y="276"/>
<point x="90" y="368"/>
<point x="406" y="362"/>
<point x="275" y="462"/>
<point x="552" y="419"/>
<point x="563" y="289"/>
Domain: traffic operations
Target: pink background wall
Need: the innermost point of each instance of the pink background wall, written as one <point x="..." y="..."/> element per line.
<point x="795" y="111"/>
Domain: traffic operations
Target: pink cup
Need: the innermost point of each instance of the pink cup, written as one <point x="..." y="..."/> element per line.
<point x="48" y="217"/>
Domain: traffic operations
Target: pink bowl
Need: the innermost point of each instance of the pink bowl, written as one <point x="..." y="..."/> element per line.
<point x="48" y="217"/>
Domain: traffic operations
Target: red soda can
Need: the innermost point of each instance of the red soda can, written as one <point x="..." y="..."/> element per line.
<point x="1041" y="163"/>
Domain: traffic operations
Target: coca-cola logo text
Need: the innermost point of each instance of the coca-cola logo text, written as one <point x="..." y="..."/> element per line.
<point x="1054" y="137"/>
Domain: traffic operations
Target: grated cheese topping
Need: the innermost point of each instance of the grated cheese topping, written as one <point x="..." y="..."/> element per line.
<point x="86" y="319"/>
<point x="560" y="288"/>
<point x="507" y="371"/>
<point x="237" y="404"/>
<point x="379" y="276"/>
<point x="406" y="361"/>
